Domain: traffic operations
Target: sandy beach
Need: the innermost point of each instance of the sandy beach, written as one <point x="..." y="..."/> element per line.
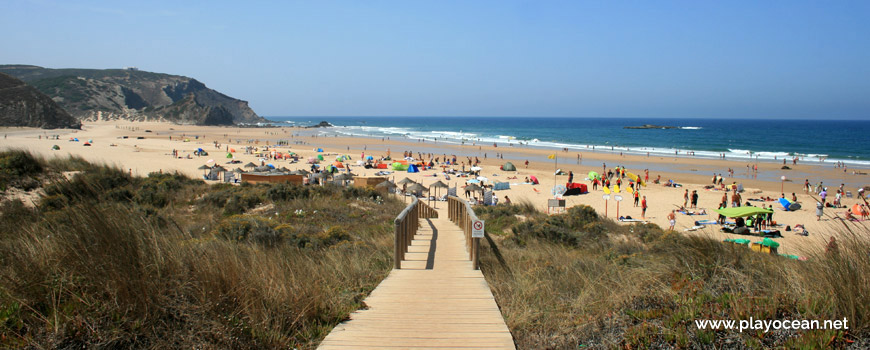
<point x="148" y="147"/>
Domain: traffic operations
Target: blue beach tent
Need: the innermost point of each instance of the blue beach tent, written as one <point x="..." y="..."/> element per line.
<point x="785" y="203"/>
<point x="413" y="169"/>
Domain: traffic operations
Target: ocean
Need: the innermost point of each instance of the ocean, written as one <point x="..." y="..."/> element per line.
<point x="813" y="141"/>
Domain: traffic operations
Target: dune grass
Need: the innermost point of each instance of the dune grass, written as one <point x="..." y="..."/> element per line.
<point x="112" y="261"/>
<point x="576" y="280"/>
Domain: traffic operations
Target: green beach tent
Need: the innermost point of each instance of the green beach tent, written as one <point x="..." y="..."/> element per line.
<point x="593" y="175"/>
<point x="767" y="242"/>
<point x="399" y="166"/>
<point x="740" y="212"/>
<point x="319" y="157"/>
<point x="509" y="167"/>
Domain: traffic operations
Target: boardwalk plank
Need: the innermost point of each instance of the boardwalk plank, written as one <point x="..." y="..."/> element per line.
<point x="449" y="306"/>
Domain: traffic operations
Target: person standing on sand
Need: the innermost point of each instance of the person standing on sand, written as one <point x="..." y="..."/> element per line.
<point x="527" y="163"/>
<point x="686" y="198"/>
<point x="636" y="197"/>
<point x="672" y="220"/>
<point x="695" y="199"/>
<point x="820" y="208"/>
<point x="831" y="248"/>
<point x="643" y="208"/>
<point x="735" y="199"/>
<point x="807" y="185"/>
<point x="724" y="200"/>
<point x="570" y="176"/>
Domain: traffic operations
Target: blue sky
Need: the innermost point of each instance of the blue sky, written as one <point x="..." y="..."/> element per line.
<point x="692" y="59"/>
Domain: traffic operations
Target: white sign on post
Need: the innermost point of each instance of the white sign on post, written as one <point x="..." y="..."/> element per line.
<point x="606" y="197"/>
<point x="617" y="198"/>
<point x="477" y="229"/>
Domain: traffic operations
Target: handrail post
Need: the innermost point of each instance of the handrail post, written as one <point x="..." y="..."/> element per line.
<point x="397" y="256"/>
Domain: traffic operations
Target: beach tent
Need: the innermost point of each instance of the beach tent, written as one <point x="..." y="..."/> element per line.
<point x="593" y="175"/>
<point x="338" y="165"/>
<point x="370" y="158"/>
<point x="498" y="186"/>
<point x="312" y="160"/>
<point x="534" y="180"/>
<point x="320" y="150"/>
<point x="319" y="157"/>
<point x="413" y="169"/>
<point x="55" y="147"/>
<point x="232" y="150"/>
<point x="229" y="155"/>
<point x="508" y="167"/>
<point x="857" y="210"/>
<point x="785" y="203"/>
<point x="399" y="166"/>
<point x="739" y="212"/>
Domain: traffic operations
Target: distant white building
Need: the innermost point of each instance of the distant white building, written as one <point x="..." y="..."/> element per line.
<point x="131" y="68"/>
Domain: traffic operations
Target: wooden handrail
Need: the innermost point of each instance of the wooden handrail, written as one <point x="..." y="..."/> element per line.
<point x="406" y="227"/>
<point x="460" y="212"/>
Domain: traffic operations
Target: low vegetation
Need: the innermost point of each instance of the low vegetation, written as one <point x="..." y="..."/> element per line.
<point x="575" y="280"/>
<point x="106" y="260"/>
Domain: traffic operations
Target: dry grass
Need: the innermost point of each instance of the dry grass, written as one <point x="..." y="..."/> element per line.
<point x="110" y="261"/>
<point x="575" y="280"/>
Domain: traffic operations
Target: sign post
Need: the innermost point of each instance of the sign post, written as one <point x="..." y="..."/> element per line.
<point x="477" y="229"/>
<point x="618" y="199"/>
<point x="606" y="198"/>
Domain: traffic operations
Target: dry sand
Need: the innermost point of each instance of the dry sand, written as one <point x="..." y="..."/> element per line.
<point x="153" y="153"/>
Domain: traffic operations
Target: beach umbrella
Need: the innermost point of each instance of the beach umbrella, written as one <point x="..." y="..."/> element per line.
<point x="439" y="184"/>
<point x="205" y="169"/>
<point x="250" y="165"/>
<point x="302" y="172"/>
<point x="386" y="184"/>
<point x="417" y="188"/>
<point x="238" y="170"/>
<point x="262" y="168"/>
<point x="343" y="177"/>
<point x="473" y="188"/>
<point x="593" y="175"/>
<point x="482" y="178"/>
<point x="476" y="168"/>
<point x="219" y="168"/>
<point x="406" y="181"/>
<point x="284" y="169"/>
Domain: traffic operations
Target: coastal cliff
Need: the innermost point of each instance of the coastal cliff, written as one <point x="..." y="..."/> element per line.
<point x="131" y="94"/>
<point x="23" y="105"/>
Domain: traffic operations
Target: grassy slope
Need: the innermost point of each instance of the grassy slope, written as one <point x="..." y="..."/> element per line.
<point x="108" y="260"/>
<point x="577" y="281"/>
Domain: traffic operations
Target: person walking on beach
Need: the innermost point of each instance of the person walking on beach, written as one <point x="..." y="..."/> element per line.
<point x="570" y="176"/>
<point x="735" y="199"/>
<point x="636" y="197"/>
<point x="695" y="199"/>
<point x="643" y="208"/>
<point x="672" y="219"/>
<point x="807" y="185"/>
<point x="527" y="163"/>
<point x="819" y="211"/>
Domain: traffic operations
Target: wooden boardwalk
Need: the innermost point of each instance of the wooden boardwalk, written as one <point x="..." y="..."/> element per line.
<point x="435" y="301"/>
